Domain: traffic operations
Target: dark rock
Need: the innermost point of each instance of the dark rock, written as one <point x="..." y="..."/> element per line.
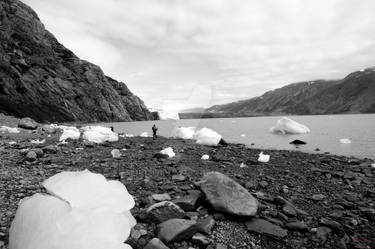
<point x="226" y="195"/>
<point x="289" y="210"/>
<point x="297" y="225"/>
<point x="155" y="243"/>
<point x="206" y="225"/>
<point x="322" y="233"/>
<point x="188" y="202"/>
<point x="160" y="156"/>
<point x="265" y="227"/>
<point x="175" y="230"/>
<point x="31" y="156"/>
<point x="223" y="142"/>
<point x="50" y="149"/>
<point x="330" y="223"/>
<point x="49" y="129"/>
<point x="162" y="211"/>
<point x="200" y="239"/>
<point x="42" y="79"/>
<point x="297" y="142"/>
<point x="220" y="246"/>
<point x="318" y="197"/>
<point x="179" y="177"/>
<point x="27" y="123"/>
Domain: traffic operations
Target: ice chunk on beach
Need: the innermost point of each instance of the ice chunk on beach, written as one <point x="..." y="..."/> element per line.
<point x="70" y="132"/>
<point x="205" y="157"/>
<point x="168" y="151"/>
<point x="263" y="158"/>
<point x="207" y="136"/>
<point x="37" y="141"/>
<point x="116" y="153"/>
<point x="99" y="134"/>
<point x="7" y="129"/>
<point x="243" y="135"/>
<point x="75" y="216"/>
<point x="345" y="141"/>
<point x="288" y="126"/>
<point x="129" y="135"/>
<point x="144" y="134"/>
<point x="184" y="132"/>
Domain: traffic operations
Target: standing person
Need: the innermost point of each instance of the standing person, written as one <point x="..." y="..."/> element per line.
<point x="154" y="130"/>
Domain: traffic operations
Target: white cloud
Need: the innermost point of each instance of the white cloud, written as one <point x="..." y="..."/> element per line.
<point x="164" y="49"/>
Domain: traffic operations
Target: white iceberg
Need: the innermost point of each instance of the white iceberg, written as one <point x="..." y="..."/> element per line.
<point x="184" y="132"/>
<point x="205" y="157"/>
<point x="168" y="115"/>
<point x="12" y="142"/>
<point x="207" y="136"/>
<point x="263" y="158"/>
<point x="345" y="141"/>
<point x="144" y="134"/>
<point x="70" y="132"/>
<point x="168" y="151"/>
<point x="84" y="211"/>
<point x="6" y="129"/>
<point x="288" y="126"/>
<point x="99" y="134"/>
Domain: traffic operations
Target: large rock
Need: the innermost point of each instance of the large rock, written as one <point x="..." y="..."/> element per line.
<point x="175" y="230"/>
<point x="265" y="227"/>
<point x="27" y="123"/>
<point x="228" y="196"/>
<point x="42" y="79"/>
<point x="162" y="211"/>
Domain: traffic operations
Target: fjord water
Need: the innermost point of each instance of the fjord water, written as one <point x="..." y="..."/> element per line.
<point x="326" y="131"/>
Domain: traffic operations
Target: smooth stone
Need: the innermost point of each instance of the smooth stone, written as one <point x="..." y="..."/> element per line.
<point x="322" y="233"/>
<point x="318" y="197"/>
<point x="261" y="226"/>
<point x="297" y="225"/>
<point x="227" y="196"/>
<point x="175" y="230"/>
<point x="155" y="243"/>
<point x="289" y="210"/>
<point x="161" y="197"/>
<point x="31" y="156"/>
<point x="297" y="142"/>
<point x="28" y="123"/>
<point x="330" y="223"/>
<point x="206" y="225"/>
<point x="162" y="211"/>
<point x="188" y="202"/>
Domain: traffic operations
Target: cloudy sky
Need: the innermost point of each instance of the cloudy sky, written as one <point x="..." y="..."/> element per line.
<point x="177" y="54"/>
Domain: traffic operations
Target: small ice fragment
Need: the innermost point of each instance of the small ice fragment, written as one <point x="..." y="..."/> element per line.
<point x="205" y="157"/>
<point x="129" y="135"/>
<point x="345" y="141"/>
<point x="373" y="165"/>
<point x="243" y="135"/>
<point x="242" y="165"/>
<point x="168" y="151"/>
<point x="115" y="153"/>
<point x="263" y="157"/>
<point x="37" y="141"/>
<point x="144" y="134"/>
<point x="12" y="142"/>
<point x="4" y="129"/>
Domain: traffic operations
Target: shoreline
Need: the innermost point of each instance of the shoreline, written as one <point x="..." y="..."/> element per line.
<point x="347" y="185"/>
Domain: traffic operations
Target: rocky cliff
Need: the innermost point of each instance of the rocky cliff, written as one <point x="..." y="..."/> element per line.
<point x="42" y="79"/>
<point x="353" y="94"/>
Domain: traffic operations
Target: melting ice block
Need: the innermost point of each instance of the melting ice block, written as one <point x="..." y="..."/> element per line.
<point x="84" y="211"/>
<point x="9" y="129"/>
<point x="168" y="151"/>
<point x="288" y="126"/>
<point x="263" y="158"/>
<point x="184" y="132"/>
<point x="345" y="141"/>
<point x="99" y="134"/>
<point x="207" y="136"/>
<point x="144" y="134"/>
<point x="69" y="132"/>
<point x="205" y="157"/>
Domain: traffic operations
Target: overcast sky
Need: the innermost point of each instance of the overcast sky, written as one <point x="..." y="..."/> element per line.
<point x="177" y="54"/>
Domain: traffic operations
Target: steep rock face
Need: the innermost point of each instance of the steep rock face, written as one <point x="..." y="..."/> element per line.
<point x="42" y="79"/>
<point x="353" y="94"/>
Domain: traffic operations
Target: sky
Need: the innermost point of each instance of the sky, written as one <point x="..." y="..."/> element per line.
<point x="178" y="54"/>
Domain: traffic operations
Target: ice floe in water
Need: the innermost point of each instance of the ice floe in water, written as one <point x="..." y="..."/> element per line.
<point x="7" y="129"/>
<point x="168" y="115"/>
<point x="263" y="158"/>
<point x="345" y="141"/>
<point x="99" y="134"/>
<point x="70" y="132"/>
<point x="82" y="211"/>
<point x="205" y="157"/>
<point x="288" y="126"/>
<point x="207" y="136"/>
<point x="184" y="132"/>
<point x="168" y="151"/>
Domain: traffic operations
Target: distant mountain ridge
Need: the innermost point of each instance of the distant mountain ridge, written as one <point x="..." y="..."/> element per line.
<point x="42" y="79"/>
<point x="353" y="94"/>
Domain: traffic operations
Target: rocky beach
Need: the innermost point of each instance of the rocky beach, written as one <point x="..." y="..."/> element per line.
<point x="296" y="200"/>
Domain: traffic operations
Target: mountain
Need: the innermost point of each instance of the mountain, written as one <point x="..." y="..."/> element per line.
<point x="42" y="79"/>
<point x="353" y="94"/>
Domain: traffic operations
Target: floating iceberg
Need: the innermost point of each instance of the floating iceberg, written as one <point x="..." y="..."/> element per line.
<point x="7" y="129"/>
<point x="263" y="158"/>
<point x="345" y="141"/>
<point x="207" y="136"/>
<point x="184" y="132"/>
<point x="99" y="134"/>
<point x="167" y="115"/>
<point x="69" y="132"/>
<point x="168" y="151"/>
<point x="205" y="157"/>
<point x="288" y="126"/>
<point x="144" y="134"/>
<point x="83" y="211"/>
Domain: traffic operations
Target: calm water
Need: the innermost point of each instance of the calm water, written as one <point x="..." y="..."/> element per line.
<point x="326" y="131"/>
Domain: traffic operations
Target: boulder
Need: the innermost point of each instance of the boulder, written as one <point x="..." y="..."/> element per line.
<point x="27" y="123"/>
<point x="162" y="211"/>
<point x="175" y="230"/>
<point x="261" y="226"/>
<point x="227" y="196"/>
